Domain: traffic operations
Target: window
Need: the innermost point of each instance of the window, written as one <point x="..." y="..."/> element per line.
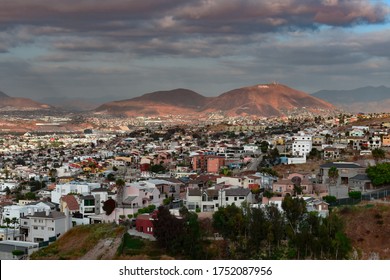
<point x="241" y="197"/>
<point x="227" y="199"/>
<point x="35" y="227"/>
<point x="235" y="198"/>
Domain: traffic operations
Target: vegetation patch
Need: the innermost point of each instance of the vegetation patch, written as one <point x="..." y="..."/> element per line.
<point x="77" y="242"/>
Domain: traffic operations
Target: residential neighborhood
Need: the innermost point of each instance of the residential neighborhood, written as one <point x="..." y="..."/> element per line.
<point x="52" y="183"/>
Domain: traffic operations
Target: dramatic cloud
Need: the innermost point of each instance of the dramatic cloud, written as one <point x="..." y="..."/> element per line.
<point x="206" y="45"/>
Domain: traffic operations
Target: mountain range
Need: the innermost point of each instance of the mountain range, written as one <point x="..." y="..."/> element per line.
<point x="19" y="103"/>
<point x="365" y="99"/>
<point x="261" y="100"/>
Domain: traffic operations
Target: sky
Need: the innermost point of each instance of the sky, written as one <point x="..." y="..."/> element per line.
<point x="118" y="49"/>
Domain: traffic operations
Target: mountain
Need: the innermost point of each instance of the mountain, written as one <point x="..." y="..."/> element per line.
<point x="18" y="103"/>
<point x="266" y="100"/>
<point x="261" y="100"/>
<point x="72" y="104"/>
<point x="365" y="99"/>
<point x="171" y="102"/>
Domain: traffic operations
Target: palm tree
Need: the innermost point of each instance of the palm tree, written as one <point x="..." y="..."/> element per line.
<point x="14" y="221"/>
<point x="333" y="175"/>
<point x="7" y="222"/>
<point x="120" y="183"/>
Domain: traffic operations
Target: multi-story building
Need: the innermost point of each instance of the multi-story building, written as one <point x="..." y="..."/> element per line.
<point x="302" y="145"/>
<point x="209" y="200"/>
<point x="207" y="163"/>
<point x="346" y="171"/>
<point x="72" y="188"/>
<point x="45" y="226"/>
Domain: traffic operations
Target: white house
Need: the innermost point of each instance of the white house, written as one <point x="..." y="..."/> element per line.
<point x="302" y="144"/>
<point x="210" y="199"/>
<point x="230" y="181"/>
<point x="72" y="187"/>
<point x="18" y="211"/>
<point x="250" y="148"/>
<point x="45" y="226"/>
<point x="7" y="184"/>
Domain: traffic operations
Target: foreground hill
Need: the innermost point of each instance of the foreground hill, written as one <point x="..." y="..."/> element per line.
<point x="96" y="241"/>
<point x="366" y="99"/>
<point x="171" y="102"/>
<point x="260" y="100"/>
<point x="368" y="227"/>
<point x="18" y="103"/>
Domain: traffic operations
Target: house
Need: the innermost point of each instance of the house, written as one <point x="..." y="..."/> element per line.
<point x="318" y="140"/>
<point x="10" y="234"/>
<point x="331" y="153"/>
<point x="360" y="182"/>
<point x="317" y="205"/>
<point x="69" y="203"/>
<point x="236" y="195"/>
<point x="73" y="187"/>
<point x="346" y="170"/>
<point x="209" y="200"/>
<point x="302" y="144"/>
<point x="140" y="194"/>
<point x="207" y="162"/>
<point x="386" y="140"/>
<point x="18" y="211"/>
<point x="9" y="246"/>
<point x="44" y="226"/>
<point x="144" y="223"/>
<point x="230" y="181"/>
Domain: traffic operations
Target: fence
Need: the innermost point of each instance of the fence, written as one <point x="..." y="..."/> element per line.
<point x="365" y="197"/>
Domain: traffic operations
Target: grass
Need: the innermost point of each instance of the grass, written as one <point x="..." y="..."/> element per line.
<point x="77" y="241"/>
<point x="133" y="247"/>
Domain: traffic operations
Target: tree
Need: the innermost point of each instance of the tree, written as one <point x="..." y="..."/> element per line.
<point x="294" y="209"/>
<point x="30" y="196"/>
<point x="111" y="177"/>
<point x="333" y="174"/>
<point x="168" y="230"/>
<point x="157" y="168"/>
<point x="329" y="198"/>
<point x="109" y="206"/>
<point x="258" y="228"/>
<point x="315" y="154"/>
<point x="120" y="184"/>
<point x="378" y="154"/>
<point x="355" y="194"/>
<point x="7" y="191"/>
<point x="228" y="221"/>
<point x="379" y="174"/>
<point x="264" y="147"/>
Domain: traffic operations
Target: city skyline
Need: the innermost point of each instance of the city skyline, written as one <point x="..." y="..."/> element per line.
<point x="122" y="49"/>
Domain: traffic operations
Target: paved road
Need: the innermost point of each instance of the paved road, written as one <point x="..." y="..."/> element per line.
<point x="254" y="163"/>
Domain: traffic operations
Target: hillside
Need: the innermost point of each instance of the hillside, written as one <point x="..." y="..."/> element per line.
<point x="18" y="103"/>
<point x="265" y="100"/>
<point x="260" y="100"/>
<point x="97" y="241"/>
<point x="172" y="102"/>
<point x="368" y="227"/>
<point x="366" y="99"/>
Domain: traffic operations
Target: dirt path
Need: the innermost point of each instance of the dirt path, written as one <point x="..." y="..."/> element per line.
<point x="104" y="250"/>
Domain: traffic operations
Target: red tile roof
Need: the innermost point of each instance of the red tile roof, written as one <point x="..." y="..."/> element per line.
<point x="71" y="202"/>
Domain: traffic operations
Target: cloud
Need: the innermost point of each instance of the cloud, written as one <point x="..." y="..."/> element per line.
<point x="201" y="44"/>
<point x="174" y="21"/>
